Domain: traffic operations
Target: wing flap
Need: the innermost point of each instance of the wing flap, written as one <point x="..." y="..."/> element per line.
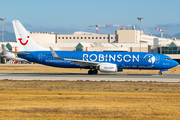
<point x="84" y="63"/>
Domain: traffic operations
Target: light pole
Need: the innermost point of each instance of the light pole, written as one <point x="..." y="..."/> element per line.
<point x="2" y="35"/>
<point x="140" y="18"/>
<point x="2" y="28"/>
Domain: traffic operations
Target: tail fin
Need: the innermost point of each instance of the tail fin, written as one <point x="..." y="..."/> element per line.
<point x="24" y="39"/>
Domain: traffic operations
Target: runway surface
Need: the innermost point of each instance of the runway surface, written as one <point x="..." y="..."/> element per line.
<point x="86" y="77"/>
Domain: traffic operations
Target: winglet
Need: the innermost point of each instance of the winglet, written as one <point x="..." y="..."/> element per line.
<point x="54" y="54"/>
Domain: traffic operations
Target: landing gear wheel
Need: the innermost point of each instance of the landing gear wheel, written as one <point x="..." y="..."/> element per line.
<point x="90" y="72"/>
<point x="160" y="73"/>
<point x="95" y="71"/>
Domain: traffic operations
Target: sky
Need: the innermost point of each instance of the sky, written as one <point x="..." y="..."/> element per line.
<point x="68" y="16"/>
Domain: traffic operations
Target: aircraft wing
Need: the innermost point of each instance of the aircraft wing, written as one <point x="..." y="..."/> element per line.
<point x="77" y="62"/>
<point x="83" y="63"/>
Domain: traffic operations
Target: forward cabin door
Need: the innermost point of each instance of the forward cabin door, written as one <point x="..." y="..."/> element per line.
<point x="157" y="60"/>
<point x="40" y="57"/>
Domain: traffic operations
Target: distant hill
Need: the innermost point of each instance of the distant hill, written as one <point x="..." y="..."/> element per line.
<point x="177" y="36"/>
<point x="164" y="35"/>
<point x="8" y="37"/>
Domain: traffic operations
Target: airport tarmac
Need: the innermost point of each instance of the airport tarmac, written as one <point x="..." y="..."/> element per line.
<point x="86" y="77"/>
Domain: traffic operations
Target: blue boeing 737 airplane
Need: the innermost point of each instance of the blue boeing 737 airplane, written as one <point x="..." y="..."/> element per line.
<point x="95" y="61"/>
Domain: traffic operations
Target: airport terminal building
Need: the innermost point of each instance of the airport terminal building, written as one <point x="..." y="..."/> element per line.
<point x="122" y="40"/>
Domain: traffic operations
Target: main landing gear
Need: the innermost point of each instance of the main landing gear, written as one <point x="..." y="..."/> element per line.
<point x="90" y="72"/>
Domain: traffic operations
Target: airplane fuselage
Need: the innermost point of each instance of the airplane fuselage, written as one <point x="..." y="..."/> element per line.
<point x="123" y="60"/>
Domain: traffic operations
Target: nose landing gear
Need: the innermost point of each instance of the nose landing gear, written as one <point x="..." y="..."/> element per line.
<point x="161" y="70"/>
<point x="160" y="73"/>
<point x="90" y="72"/>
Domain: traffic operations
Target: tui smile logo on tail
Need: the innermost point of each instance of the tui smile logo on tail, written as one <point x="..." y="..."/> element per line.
<point x="20" y="40"/>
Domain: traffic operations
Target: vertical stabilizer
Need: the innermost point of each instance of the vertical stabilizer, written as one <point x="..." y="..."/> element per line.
<point x="24" y="39"/>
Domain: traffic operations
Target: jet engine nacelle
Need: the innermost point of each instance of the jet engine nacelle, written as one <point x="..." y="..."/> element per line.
<point x="108" y="68"/>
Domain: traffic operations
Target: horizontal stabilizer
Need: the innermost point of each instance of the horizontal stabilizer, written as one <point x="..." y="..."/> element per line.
<point x="17" y="52"/>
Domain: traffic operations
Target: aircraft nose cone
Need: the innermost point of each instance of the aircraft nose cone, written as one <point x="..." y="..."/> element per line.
<point x="175" y="63"/>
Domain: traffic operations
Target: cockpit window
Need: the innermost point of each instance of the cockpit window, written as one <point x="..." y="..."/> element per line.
<point x="167" y="58"/>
